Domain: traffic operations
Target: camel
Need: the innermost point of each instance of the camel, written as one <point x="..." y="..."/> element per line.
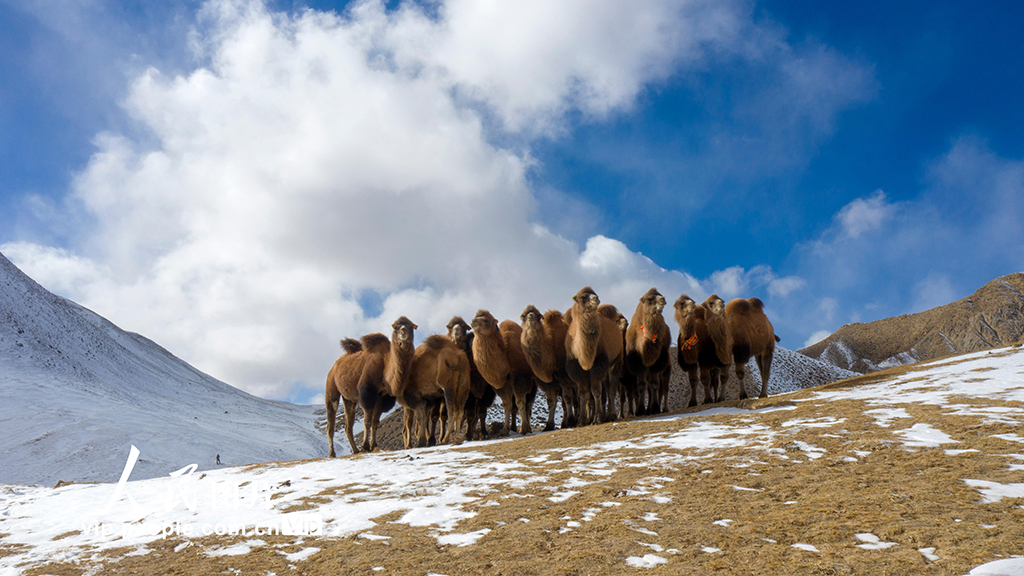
<point x="491" y="357"/>
<point x="704" y="362"/>
<point x="520" y="376"/>
<point x="556" y="329"/>
<point x="752" y="335"/>
<point x="538" y="343"/>
<point x="647" y="342"/>
<point x="364" y="375"/>
<point x="588" y="342"/>
<point x="618" y="387"/>
<point x="481" y="395"/>
<point x="439" y="375"/>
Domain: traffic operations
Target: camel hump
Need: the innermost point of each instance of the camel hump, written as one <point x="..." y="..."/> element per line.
<point x="552" y="316"/>
<point x="756" y="303"/>
<point x="375" y="340"/>
<point x="740" y="306"/>
<point x="609" y="311"/>
<point x="436" y="342"/>
<point x="351" y="345"/>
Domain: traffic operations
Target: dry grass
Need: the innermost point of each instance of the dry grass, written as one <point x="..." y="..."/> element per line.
<point x="916" y="499"/>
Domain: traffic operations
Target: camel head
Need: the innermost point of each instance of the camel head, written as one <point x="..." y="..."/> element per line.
<point x="484" y="324"/>
<point x="653" y="302"/>
<point x="531" y="318"/>
<point x="714" y="305"/>
<point x="403" y="333"/>
<point x="587" y="299"/>
<point x="685" y="307"/>
<point x="458" y="331"/>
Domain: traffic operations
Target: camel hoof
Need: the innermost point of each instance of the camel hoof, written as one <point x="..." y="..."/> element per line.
<point x="549" y="427"/>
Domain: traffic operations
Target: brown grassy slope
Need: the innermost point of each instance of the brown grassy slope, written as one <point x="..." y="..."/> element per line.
<point x="992" y="316"/>
<point x="725" y="510"/>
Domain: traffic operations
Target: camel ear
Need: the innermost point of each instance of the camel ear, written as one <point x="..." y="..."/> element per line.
<point x="415" y="327"/>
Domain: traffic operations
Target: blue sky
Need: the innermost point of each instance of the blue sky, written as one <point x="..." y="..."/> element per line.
<point x="169" y="165"/>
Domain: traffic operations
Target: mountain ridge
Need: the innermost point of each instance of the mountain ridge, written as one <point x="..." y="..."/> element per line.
<point x="992" y="316"/>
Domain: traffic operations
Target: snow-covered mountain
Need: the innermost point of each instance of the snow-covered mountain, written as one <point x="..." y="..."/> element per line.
<point x="76" y="392"/>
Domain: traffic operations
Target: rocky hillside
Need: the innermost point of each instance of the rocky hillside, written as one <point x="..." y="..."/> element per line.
<point x="992" y="316"/>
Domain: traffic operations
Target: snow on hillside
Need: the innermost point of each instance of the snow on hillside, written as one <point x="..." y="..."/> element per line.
<point x="928" y="412"/>
<point x="76" y="392"/>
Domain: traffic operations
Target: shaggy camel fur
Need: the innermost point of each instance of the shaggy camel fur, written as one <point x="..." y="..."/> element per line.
<point x="540" y="355"/>
<point x="704" y="362"/>
<point x="439" y="374"/>
<point x="481" y="395"/>
<point x="491" y="357"/>
<point x="364" y="376"/>
<point x="590" y="338"/>
<point x="546" y="359"/>
<point x="752" y="335"/>
<point x="621" y="388"/>
<point x="520" y="376"/>
<point x="647" y="342"/>
<point x="556" y="329"/>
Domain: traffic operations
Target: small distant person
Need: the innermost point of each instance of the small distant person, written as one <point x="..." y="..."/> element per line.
<point x="218" y="459"/>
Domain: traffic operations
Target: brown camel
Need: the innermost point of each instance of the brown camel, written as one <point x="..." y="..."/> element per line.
<point x="587" y="361"/>
<point x="541" y="354"/>
<point x="752" y="335"/>
<point x="556" y="328"/>
<point x="439" y="375"/>
<point x="704" y="362"/>
<point x="520" y="376"/>
<point x="647" y="342"/>
<point x="618" y="387"/>
<point x="481" y="395"/>
<point x="363" y="376"/>
<point x="491" y="357"/>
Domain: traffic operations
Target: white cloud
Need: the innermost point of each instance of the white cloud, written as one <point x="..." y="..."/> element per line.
<point x="865" y="214"/>
<point x="882" y="258"/>
<point x="736" y="282"/>
<point x="318" y="155"/>
<point x="816" y="337"/>
<point x="314" y="157"/>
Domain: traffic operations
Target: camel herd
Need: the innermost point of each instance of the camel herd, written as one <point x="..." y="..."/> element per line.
<point x="599" y="365"/>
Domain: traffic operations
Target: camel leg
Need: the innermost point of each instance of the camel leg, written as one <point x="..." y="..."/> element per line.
<point x="569" y="408"/>
<point x="764" y="365"/>
<point x="370" y="431"/>
<point x="423" y="423"/>
<point x="551" y="394"/>
<point x="523" y="406"/>
<point x="454" y="409"/>
<point x="408" y="420"/>
<point x="508" y="403"/>
<point x="350" y="420"/>
<point x="332" y="411"/>
<point x="433" y="417"/>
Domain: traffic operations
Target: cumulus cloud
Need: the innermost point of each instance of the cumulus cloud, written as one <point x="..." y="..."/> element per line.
<point x="312" y="159"/>
<point x="964" y="228"/>
<point x="816" y="337"/>
<point x="865" y="214"/>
